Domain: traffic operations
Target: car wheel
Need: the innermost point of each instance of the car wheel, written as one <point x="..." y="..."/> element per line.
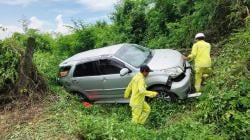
<point x="81" y="97"/>
<point x="164" y="94"/>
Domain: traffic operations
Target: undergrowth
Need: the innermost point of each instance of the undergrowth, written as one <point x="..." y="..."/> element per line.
<point x="227" y="98"/>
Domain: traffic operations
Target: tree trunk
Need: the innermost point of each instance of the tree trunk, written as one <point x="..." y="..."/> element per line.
<point x="30" y="81"/>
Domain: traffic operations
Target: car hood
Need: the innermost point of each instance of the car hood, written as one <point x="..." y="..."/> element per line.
<point x="165" y="58"/>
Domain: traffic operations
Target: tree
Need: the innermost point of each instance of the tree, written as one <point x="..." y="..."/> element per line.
<point x="25" y="23"/>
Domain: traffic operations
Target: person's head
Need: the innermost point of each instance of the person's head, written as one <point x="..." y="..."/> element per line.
<point x="144" y="69"/>
<point x="199" y="36"/>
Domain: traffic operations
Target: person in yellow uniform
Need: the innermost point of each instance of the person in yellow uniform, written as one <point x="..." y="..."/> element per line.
<point x="137" y="89"/>
<point x="202" y="60"/>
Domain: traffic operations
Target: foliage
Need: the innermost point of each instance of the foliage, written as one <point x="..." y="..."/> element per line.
<point x="105" y="35"/>
<point x="65" y="44"/>
<point x="173" y="24"/>
<point x="10" y="54"/>
<point x="44" y="41"/>
<point x="130" y="20"/>
<point x="47" y="64"/>
<point x="84" y="40"/>
<point x="226" y="103"/>
<point x="111" y="122"/>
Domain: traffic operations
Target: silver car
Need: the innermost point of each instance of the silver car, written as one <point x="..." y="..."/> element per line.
<point x="101" y="75"/>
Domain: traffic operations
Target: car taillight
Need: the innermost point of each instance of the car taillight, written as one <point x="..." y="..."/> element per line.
<point x="63" y="73"/>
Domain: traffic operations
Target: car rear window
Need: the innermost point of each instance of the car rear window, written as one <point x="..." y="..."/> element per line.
<point x="64" y="71"/>
<point x="86" y="69"/>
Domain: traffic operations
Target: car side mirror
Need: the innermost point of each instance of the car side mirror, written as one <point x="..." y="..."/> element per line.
<point x="124" y="71"/>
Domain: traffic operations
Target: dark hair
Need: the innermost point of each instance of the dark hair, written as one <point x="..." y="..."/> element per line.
<point x="200" y="38"/>
<point x="145" y="68"/>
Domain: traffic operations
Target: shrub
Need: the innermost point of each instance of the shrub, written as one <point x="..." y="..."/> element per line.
<point x="10" y="53"/>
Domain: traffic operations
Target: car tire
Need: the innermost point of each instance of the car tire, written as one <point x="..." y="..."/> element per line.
<point x="81" y="97"/>
<point x="164" y="94"/>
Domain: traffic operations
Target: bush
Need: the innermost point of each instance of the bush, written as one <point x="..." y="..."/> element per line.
<point x="226" y="103"/>
<point x="10" y="53"/>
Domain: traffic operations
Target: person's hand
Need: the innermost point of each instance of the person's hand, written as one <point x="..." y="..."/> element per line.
<point x="184" y="57"/>
<point x="157" y="94"/>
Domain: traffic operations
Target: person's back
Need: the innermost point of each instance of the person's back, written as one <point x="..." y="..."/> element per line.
<point x="202" y="58"/>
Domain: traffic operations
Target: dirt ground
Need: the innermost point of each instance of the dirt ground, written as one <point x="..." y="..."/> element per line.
<point x="17" y="113"/>
<point x="33" y="120"/>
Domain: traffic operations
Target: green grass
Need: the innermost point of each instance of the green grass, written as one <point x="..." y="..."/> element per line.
<point x="227" y="101"/>
<point x="67" y="118"/>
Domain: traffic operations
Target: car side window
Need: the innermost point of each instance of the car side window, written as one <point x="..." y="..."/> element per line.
<point x="108" y="66"/>
<point x="86" y="69"/>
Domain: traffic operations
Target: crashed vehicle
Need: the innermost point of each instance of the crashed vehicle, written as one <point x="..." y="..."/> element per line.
<point x="102" y="75"/>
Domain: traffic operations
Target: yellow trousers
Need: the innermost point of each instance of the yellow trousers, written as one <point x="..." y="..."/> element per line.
<point x="199" y="73"/>
<point x="140" y="114"/>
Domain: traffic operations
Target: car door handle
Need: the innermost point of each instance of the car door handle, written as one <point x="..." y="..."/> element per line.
<point x="104" y="79"/>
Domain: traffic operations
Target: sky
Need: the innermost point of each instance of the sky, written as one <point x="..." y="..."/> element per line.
<point x="51" y="15"/>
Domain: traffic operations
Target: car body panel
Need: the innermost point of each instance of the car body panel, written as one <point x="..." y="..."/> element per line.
<point x="85" y="85"/>
<point x="156" y="78"/>
<point x="183" y="86"/>
<point x="111" y="50"/>
<point x="164" y="59"/>
<point x="115" y="84"/>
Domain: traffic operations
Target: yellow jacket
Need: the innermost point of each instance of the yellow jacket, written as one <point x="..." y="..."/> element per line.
<point x="137" y="87"/>
<point x="201" y="54"/>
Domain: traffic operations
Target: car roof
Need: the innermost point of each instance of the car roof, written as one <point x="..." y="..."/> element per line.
<point x="105" y="51"/>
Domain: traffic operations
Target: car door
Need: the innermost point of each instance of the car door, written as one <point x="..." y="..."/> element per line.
<point x="113" y="83"/>
<point x="87" y="79"/>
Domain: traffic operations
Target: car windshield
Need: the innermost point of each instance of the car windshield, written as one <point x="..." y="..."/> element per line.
<point x="133" y="54"/>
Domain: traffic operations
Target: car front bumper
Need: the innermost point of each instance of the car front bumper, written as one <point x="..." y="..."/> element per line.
<point x="183" y="87"/>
